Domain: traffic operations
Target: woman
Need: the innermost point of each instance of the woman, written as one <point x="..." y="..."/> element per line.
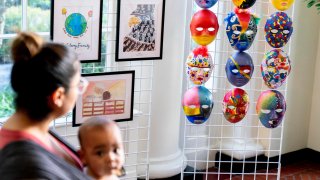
<point x="46" y="80"/>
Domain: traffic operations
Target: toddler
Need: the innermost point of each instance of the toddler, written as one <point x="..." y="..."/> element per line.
<point x="101" y="148"/>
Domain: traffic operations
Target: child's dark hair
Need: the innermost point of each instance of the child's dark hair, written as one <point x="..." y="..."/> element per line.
<point x="93" y="122"/>
<point x="38" y="70"/>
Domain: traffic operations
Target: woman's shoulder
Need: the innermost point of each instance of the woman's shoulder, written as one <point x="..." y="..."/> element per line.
<point x="27" y="160"/>
<point x="7" y="136"/>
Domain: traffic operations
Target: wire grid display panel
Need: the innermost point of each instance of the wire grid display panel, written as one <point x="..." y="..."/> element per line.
<point x="218" y="149"/>
<point x="135" y="133"/>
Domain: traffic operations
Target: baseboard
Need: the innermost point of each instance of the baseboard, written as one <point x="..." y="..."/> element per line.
<point x="250" y="164"/>
<point x="229" y="164"/>
<point x="306" y="154"/>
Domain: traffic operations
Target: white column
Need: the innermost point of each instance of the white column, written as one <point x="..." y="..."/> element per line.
<point x="165" y="156"/>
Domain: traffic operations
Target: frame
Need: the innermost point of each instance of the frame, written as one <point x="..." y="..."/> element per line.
<point x="77" y="24"/>
<point x="139" y="30"/>
<point x="108" y="95"/>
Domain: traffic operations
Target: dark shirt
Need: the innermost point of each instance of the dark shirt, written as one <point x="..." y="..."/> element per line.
<point x="27" y="160"/>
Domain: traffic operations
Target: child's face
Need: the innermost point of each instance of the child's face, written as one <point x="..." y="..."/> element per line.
<point x="102" y="151"/>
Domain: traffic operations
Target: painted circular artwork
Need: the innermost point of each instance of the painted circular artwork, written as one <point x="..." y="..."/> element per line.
<point x="76" y="24"/>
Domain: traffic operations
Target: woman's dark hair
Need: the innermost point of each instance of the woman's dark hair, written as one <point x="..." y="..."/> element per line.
<point x="38" y="70"/>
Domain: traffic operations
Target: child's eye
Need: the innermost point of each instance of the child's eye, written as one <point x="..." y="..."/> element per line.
<point x="100" y="153"/>
<point x="117" y="150"/>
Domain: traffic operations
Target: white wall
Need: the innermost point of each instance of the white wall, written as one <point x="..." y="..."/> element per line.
<point x="303" y="56"/>
<point x="314" y="127"/>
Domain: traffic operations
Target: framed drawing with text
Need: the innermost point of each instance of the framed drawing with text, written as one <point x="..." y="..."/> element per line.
<point x="108" y="95"/>
<point x="139" y="30"/>
<point x="77" y="24"/>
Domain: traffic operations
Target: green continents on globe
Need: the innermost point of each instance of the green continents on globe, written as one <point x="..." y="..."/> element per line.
<point x="76" y="24"/>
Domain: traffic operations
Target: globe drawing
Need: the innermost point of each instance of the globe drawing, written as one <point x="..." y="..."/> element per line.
<point x="75" y="24"/>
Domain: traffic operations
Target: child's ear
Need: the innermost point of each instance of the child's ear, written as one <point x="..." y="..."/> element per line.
<point x="57" y="97"/>
<point x="82" y="157"/>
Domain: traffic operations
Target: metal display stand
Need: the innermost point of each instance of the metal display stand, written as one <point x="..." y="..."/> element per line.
<point x="218" y="149"/>
<point x="215" y="149"/>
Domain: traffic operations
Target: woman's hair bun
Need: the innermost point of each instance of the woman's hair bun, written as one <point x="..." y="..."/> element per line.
<point x="25" y="46"/>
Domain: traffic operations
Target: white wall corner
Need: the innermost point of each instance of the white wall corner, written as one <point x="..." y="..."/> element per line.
<point x="303" y="52"/>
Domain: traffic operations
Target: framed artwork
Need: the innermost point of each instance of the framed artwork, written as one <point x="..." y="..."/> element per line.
<point x="139" y="30"/>
<point x="77" y="24"/>
<point x="108" y="95"/>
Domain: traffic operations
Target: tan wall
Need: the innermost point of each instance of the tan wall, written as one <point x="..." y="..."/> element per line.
<point x="303" y="55"/>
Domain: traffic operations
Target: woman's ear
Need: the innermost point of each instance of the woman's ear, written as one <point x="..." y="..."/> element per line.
<point x="58" y="96"/>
